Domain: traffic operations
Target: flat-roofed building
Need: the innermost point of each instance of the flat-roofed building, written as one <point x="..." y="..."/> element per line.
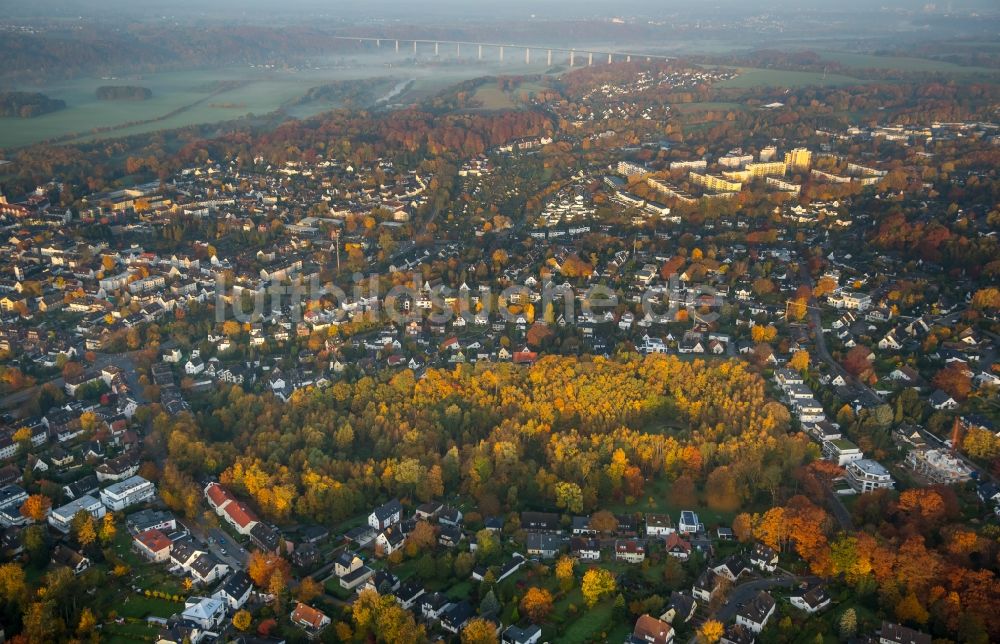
<point x="866" y="475"/>
<point x="129" y="492"/>
<point x="61" y="517"/>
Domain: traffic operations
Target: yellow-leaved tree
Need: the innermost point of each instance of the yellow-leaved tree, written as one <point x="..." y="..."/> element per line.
<point x="597" y="584"/>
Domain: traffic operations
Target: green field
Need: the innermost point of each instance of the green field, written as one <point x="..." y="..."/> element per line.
<point x="185" y="98"/>
<point x="901" y="63"/>
<point x="189" y="94"/>
<point x="752" y="77"/>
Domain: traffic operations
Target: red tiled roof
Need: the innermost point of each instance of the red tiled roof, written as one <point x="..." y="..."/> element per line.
<point x="307" y="615"/>
<point x="218" y="495"/>
<point x="153" y="540"/>
<point x="650" y="629"/>
<point x="240" y="514"/>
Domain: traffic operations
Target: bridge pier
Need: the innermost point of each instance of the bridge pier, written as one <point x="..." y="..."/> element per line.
<point x="397" y="46"/>
<point x="436" y="46"/>
<point x="527" y="56"/>
<point x="590" y="59"/>
<point x="609" y="58"/>
<point x="414" y="47"/>
<point x="378" y="43"/>
<point x="480" y="52"/>
<point x="501" y="53"/>
<point x="572" y="55"/>
<point x="550" y="58"/>
<point x="458" y="50"/>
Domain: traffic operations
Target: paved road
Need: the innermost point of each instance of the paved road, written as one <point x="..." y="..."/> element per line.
<point x="816" y="323"/>
<point x="839" y="510"/>
<point x="236" y="557"/>
<point x="745" y="592"/>
<point x="235" y="554"/>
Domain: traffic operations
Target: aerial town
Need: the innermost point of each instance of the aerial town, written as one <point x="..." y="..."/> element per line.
<point x="647" y="359"/>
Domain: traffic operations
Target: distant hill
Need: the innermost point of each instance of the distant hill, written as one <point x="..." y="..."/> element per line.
<point x="123" y="93"/>
<point x="27" y="105"/>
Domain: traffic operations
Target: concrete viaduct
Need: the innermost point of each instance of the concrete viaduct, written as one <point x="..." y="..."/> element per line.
<point x="503" y="50"/>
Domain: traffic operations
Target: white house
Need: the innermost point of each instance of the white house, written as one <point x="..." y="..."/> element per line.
<point x="386" y="515"/>
<point x="810" y="600"/>
<point x="235" y="591"/>
<point x="755" y="613"/>
<point x="206" y="612"/>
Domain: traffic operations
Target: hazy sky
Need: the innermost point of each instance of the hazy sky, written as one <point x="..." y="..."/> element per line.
<point x="455" y="8"/>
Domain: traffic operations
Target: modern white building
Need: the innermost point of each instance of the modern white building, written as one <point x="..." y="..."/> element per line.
<point x="61" y="517"/>
<point x="689" y="522"/>
<point x="841" y="451"/>
<point x="866" y="475"/>
<point x="128" y="492"/>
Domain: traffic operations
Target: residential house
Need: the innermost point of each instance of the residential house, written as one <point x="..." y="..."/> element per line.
<point x="544" y="545"/>
<point x="455" y="617"/>
<point x="755" y="613"/>
<point x="540" y="521"/>
<point x="206" y="569"/>
<point x="386" y="515"/>
<point x="206" y="612"/>
<point x="659" y="525"/>
<point x="680" y="608"/>
<point x="153" y="545"/>
<point x="706" y="586"/>
<point x="235" y="590"/>
<point x="66" y="556"/>
<point x="389" y="541"/>
<point x="517" y="635"/>
<point x="897" y="634"/>
<point x="940" y="400"/>
<point x="585" y="548"/>
<point x="652" y="630"/>
<point x="764" y="557"/>
<point x="732" y="568"/>
<point x="351" y="570"/>
<point x="309" y="619"/>
<point x="265" y="537"/>
<point x="150" y="519"/>
<point x="677" y="546"/>
<point x="408" y="593"/>
<point x="630" y="550"/>
<point x="810" y="598"/>
<point x="428" y="510"/>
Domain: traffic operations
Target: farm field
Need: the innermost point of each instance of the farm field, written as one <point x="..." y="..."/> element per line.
<point x="753" y="77"/>
<point x="493" y="98"/>
<point x="685" y="108"/>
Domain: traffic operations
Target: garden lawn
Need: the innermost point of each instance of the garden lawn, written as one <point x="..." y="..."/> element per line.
<point x="591" y="625"/>
<point x="140" y="607"/>
<point x="135" y="632"/>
